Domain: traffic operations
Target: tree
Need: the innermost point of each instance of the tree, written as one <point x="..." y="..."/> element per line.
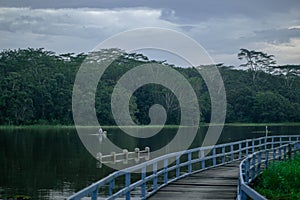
<point x="290" y="73"/>
<point x="256" y="61"/>
<point x="36" y="88"/>
<point x="271" y="107"/>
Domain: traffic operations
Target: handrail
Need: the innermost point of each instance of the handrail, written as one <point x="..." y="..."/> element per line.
<point x="253" y="165"/>
<point x="137" y="181"/>
<point x="124" y="157"/>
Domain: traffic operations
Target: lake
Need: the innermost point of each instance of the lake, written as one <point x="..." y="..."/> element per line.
<point x="52" y="163"/>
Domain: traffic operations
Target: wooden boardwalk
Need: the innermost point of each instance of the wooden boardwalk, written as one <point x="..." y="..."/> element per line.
<point x="215" y="183"/>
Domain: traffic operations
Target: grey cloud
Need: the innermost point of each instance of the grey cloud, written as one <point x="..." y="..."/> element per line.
<point x="222" y="27"/>
<point x="83" y="23"/>
<point x="177" y="11"/>
<point x="62" y="28"/>
<point x="277" y="36"/>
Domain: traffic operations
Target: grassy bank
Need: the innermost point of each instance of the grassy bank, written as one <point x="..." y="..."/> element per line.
<point x="264" y="124"/>
<point x="6" y="127"/>
<point x="280" y="181"/>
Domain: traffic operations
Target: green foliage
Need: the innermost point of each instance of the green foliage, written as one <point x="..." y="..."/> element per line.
<point x="267" y="100"/>
<point x="13" y="197"/>
<point x="36" y="88"/>
<point x="269" y="106"/>
<point x="281" y="180"/>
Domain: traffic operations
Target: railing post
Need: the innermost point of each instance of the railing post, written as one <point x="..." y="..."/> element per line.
<point x="113" y="157"/>
<point x="202" y="157"/>
<point x="247" y="170"/>
<point x="295" y="150"/>
<point x="279" y="153"/>
<point x="259" y="144"/>
<point x="166" y="171"/>
<point x="223" y="152"/>
<point x="138" y="154"/>
<point x="274" y="154"/>
<point x="242" y="193"/>
<point x="239" y="187"/>
<point x="155" y="176"/>
<point x="280" y="141"/>
<point x="214" y="157"/>
<point x="127" y="184"/>
<point x="253" y="144"/>
<point x="232" y="154"/>
<point x="259" y="162"/>
<point x="190" y="162"/>
<point x="253" y="167"/>
<point x="125" y="153"/>
<point x="147" y="149"/>
<point x="247" y="146"/>
<point x="111" y="187"/>
<point x="266" y="141"/>
<point x="99" y="158"/>
<point x="284" y="152"/>
<point x="143" y="188"/>
<point x="95" y="194"/>
<point x="289" y="151"/>
<point x="177" y="168"/>
<point x="272" y="143"/>
<point x="240" y="150"/>
<point x="267" y="159"/>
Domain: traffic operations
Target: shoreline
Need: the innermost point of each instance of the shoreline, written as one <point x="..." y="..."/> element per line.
<point x="37" y="126"/>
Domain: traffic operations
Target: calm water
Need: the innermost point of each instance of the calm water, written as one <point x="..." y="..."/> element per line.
<point x="53" y="163"/>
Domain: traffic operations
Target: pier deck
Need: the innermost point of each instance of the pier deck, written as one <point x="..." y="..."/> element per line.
<point x="215" y="183"/>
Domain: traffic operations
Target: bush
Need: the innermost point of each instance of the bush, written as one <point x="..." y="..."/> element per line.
<point x="281" y="180"/>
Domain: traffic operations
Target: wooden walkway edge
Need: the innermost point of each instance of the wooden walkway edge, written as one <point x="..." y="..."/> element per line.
<point x="215" y="183"/>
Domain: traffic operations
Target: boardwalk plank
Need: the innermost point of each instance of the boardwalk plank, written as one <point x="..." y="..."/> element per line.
<point x="216" y="183"/>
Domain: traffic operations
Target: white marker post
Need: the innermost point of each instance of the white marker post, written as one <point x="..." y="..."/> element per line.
<point x="100" y="131"/>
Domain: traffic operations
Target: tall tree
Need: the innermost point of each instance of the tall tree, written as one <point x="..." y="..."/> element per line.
<point x="256" y="61"/>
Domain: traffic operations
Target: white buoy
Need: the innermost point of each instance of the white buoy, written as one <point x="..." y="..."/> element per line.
<point x="102" y="135"/>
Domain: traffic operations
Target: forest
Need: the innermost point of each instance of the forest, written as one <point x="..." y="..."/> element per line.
<point x="36" y="88"/>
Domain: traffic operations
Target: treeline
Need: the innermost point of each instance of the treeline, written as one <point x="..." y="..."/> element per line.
<point x="36" y="88"/>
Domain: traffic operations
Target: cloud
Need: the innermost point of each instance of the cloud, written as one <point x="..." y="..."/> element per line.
<point x="277" y="36"/>
<point x="221" y="27"/>
<point x="63" y="26"/>
<point x="223" y="37"/>
<point x="285" y="53"/>
<point x="80" y="22"/>
<point x="188" y="10"/>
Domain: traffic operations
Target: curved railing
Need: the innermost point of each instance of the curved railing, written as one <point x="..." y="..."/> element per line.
<point x="253" y="165"/>
<point x="137" y="181"/>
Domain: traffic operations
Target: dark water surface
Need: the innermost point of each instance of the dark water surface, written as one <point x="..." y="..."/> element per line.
<point x="53" y="163"/>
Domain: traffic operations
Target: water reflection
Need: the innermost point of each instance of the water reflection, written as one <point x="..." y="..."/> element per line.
<point x="53" y="163"/>
<point x="38" y="162"/>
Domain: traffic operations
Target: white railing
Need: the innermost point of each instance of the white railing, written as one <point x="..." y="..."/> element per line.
<point x="253" y="165"/>
<point x="125" y="156"/>
<point x="137" y="181"/>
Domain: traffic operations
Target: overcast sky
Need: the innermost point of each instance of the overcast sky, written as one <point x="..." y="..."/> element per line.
<point x="221" y="27"/>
